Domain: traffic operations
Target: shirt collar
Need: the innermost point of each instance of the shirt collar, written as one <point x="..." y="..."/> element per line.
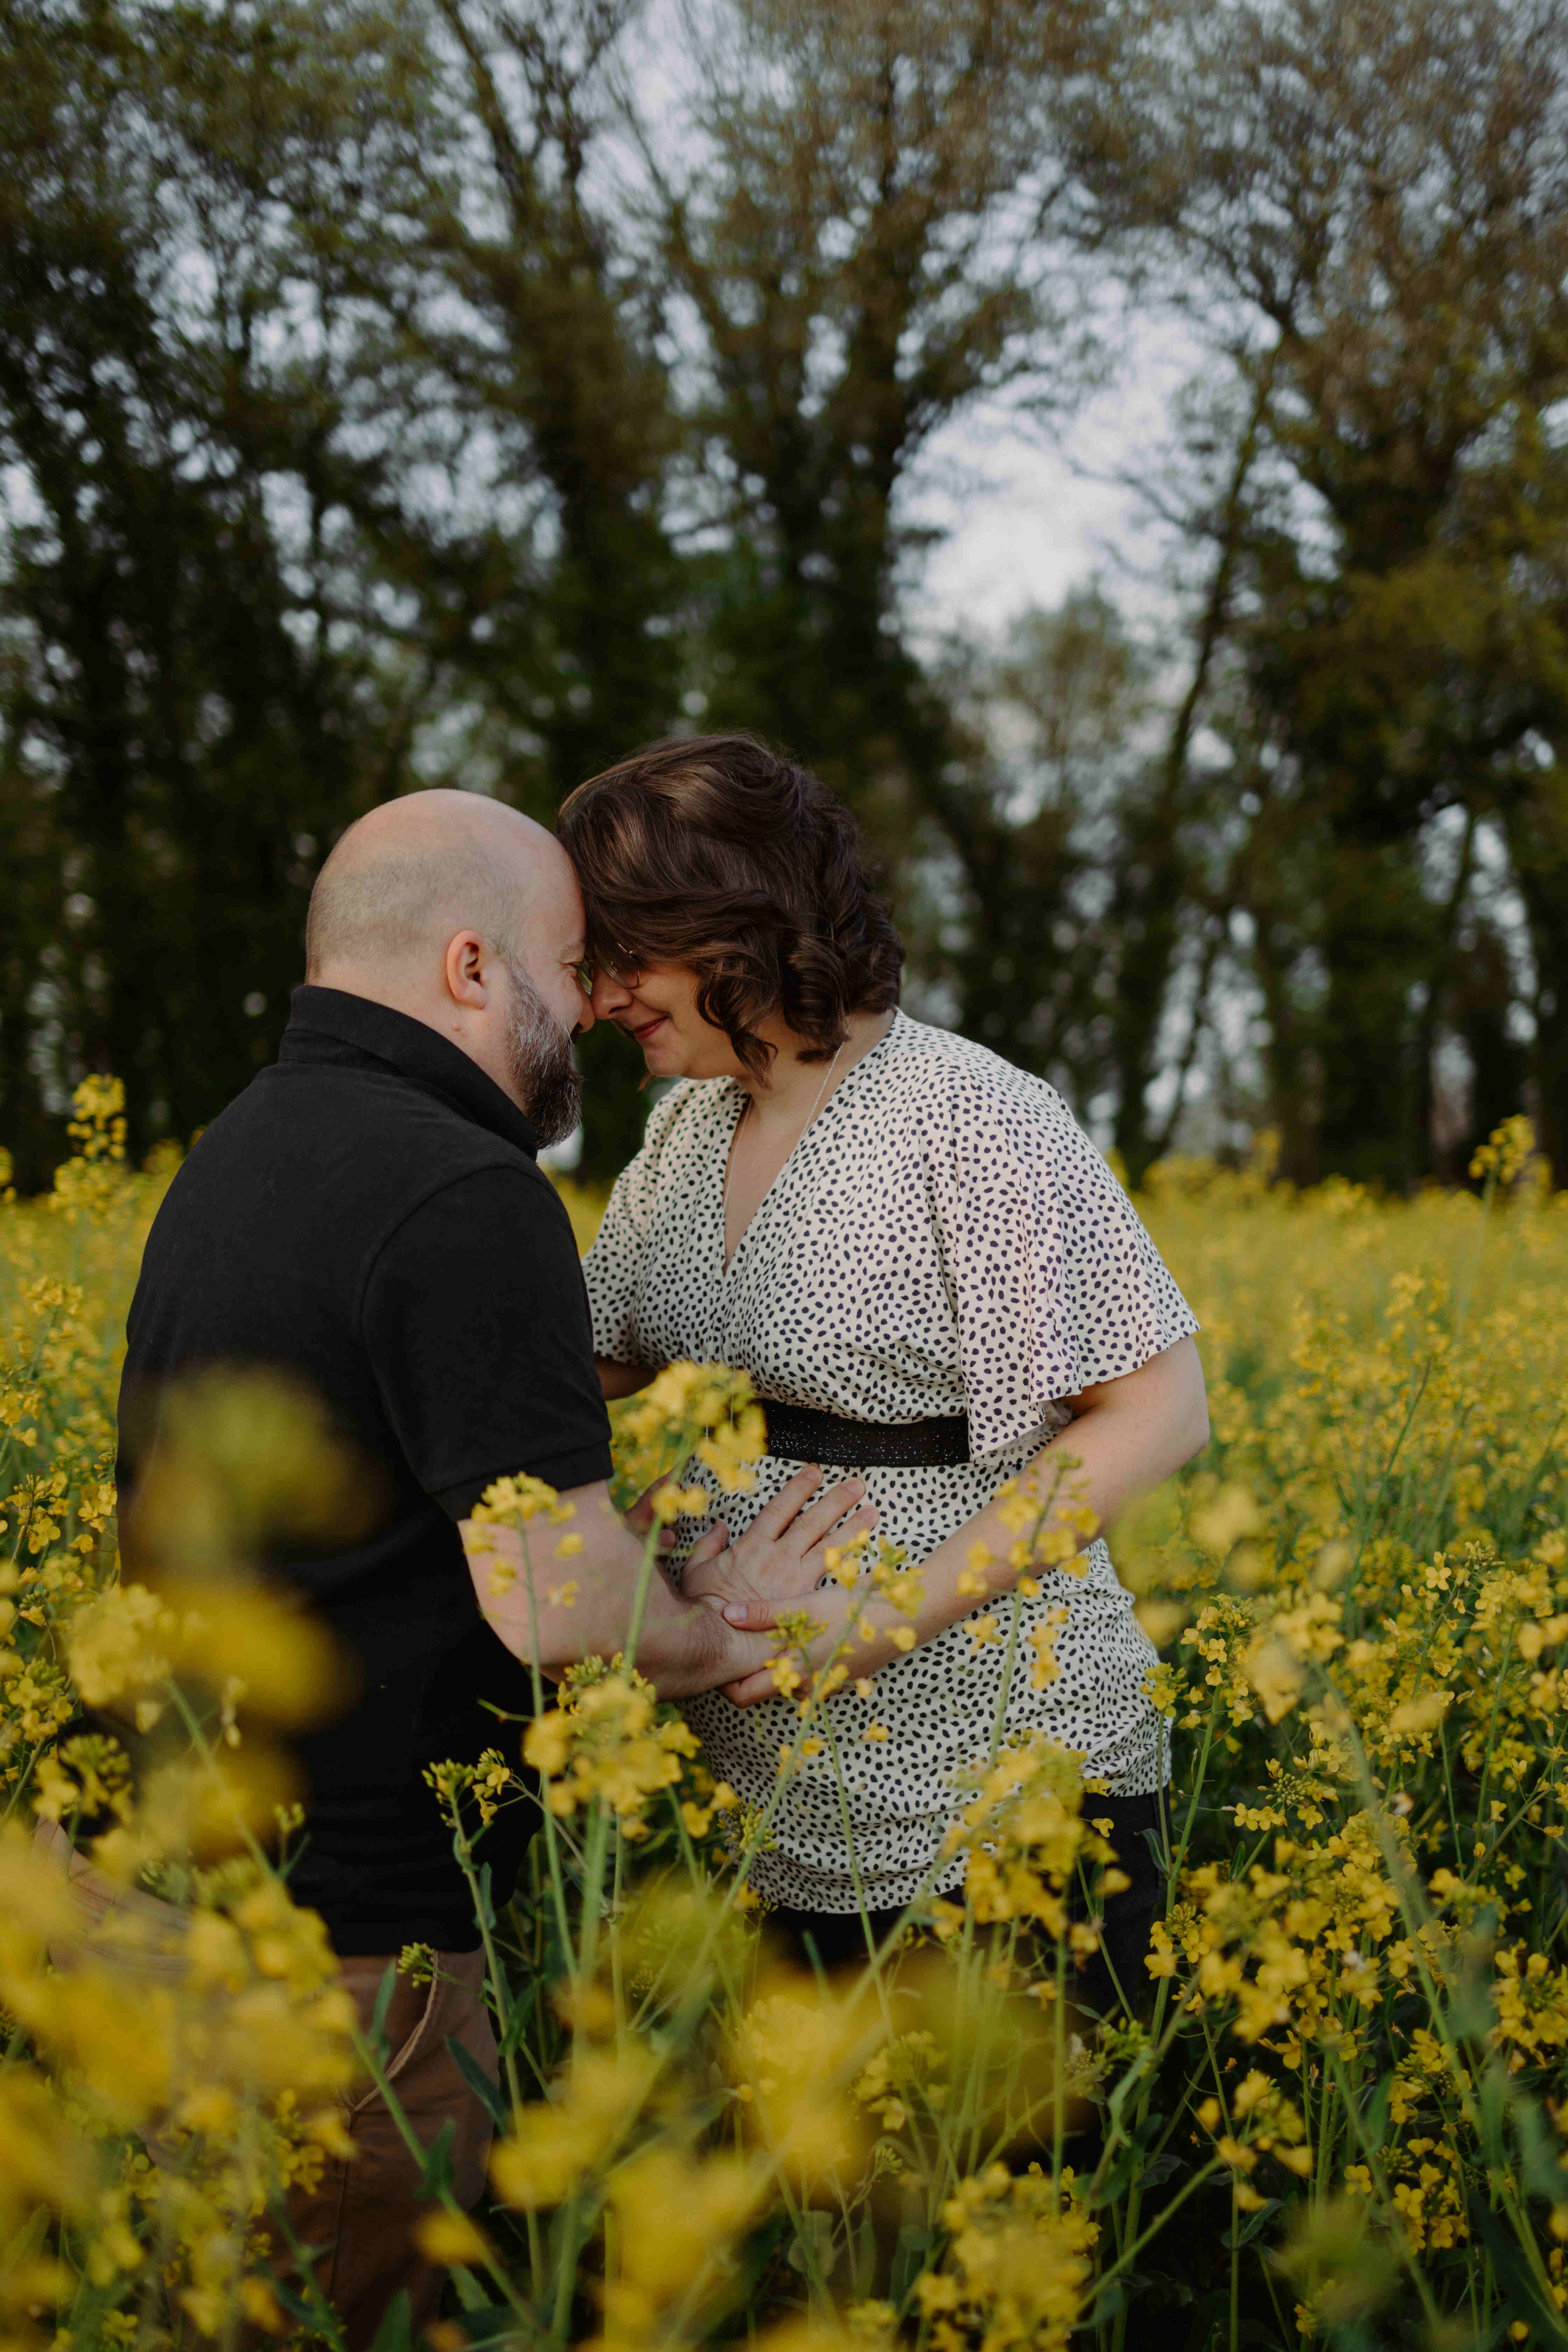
<point x="322" y="1019"/>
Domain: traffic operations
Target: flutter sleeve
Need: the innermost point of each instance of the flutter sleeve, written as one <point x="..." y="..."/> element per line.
<point x="613" y="1268"/>
<point x="1054" y="1282"/>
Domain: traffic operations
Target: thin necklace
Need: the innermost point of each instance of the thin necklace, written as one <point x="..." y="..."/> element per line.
<point x="795" y="1147"/>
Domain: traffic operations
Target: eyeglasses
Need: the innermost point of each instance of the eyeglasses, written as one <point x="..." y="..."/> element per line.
<point x="622" y="968"/>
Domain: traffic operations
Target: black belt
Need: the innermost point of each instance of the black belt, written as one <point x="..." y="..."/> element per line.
<point x="798" y="1433"/>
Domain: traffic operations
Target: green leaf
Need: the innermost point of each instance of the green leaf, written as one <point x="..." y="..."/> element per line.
<point x="439" y="2178"/>
<point x="1522" y="2295"/>
<point x="384" y="1993"/>
<point x="396" y="2333"/>
<point x="489" y="2323"/>
<point x="486" y="2093"/>
<point x="913" y="2253"/>
<point x="519" y="2016"/>
<point x="1543" y="2175"/>
<point x="1494" y="2104"/>
<point x="470" y="2293"/>
<point x="308" y="2313"/>
<point x="1244" y="2232"/>
<point x="1376" y="2112"/>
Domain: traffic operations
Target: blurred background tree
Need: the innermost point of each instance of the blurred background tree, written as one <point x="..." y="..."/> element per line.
<point x="1371" y="202"/>
<point x="462" y="390"/>
<point x="200" y="685"/>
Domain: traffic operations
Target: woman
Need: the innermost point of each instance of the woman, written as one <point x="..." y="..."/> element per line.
<point x="927" y="1271"/>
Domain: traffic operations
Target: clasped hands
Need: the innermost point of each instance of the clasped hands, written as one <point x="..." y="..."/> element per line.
<point x="778" y="1565"/>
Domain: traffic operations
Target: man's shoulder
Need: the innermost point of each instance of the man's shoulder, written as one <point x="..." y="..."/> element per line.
<point x="397" y="1130"/>
<point x="336" y="1161"/>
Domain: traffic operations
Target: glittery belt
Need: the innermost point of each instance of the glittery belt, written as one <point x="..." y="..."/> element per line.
<point x="798" y="1433"/>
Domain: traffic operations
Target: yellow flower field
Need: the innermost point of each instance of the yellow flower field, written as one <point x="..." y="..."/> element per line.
<point x="1342" y="2119"/>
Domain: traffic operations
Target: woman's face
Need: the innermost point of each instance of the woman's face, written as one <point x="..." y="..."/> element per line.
<point x="655" y="1005"/>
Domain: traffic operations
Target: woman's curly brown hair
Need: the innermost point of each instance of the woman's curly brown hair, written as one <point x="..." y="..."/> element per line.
<point x="721" y="854"/>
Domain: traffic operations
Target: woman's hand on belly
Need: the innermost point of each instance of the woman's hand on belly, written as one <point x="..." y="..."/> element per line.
<point x="782" y="1558"/>
<point x="855" y="1632"/>
<point x="1127" y="1435"/>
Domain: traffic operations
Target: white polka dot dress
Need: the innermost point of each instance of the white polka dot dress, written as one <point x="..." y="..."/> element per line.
<point x="944" y="1239"/>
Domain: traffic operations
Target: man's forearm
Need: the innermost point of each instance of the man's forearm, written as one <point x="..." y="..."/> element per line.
<point x="552" y="1610"/>
<point x="555" y="1592"/>
<point x="623" y="1380"/>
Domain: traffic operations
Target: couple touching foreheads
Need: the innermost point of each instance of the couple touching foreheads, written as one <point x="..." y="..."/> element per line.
<point x="923" y="1264"/>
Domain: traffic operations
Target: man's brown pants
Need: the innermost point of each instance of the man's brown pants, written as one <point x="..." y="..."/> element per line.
<point x="360" y="2220"/>
<point x="365" y="2209"/>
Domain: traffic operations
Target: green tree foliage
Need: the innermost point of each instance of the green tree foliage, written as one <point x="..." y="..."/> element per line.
<point x="1048" y="766"/>
<point x="861" y="234"/>
<point x="543" y="327"/>
<point x="464" y="390"/>
<point x="551" y="349"/>
<point x="1375" y="199"/>
<point x="183" y="396"/>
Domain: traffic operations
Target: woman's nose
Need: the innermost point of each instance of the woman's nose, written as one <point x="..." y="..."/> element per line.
<point x="608" y="995"/>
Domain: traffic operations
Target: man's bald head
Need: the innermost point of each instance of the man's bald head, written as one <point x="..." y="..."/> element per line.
<point x="465" y="915"/>
<point x="408" y="875"/>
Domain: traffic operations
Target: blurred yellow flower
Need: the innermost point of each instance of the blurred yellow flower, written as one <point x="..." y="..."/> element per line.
<point x="451" y="2238"/>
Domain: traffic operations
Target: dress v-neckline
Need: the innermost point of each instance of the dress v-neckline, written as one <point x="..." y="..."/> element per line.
<point x="727" y="1265"/>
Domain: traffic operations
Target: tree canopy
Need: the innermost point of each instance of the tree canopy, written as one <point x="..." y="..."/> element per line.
<point x="464" y="390"/>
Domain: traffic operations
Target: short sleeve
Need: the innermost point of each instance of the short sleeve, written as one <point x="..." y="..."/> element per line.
<point x="1055" y="1283"/>
<point x="475" y="1320"/>
<point x="612" y="1269"/>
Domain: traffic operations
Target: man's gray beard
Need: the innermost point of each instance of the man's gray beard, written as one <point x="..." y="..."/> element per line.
<point x="539" y="1061"/>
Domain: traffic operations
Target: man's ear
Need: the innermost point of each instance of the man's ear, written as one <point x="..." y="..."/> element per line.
<point x="465" y="970"/>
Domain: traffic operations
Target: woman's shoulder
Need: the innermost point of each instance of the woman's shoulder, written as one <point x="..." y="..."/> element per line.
<point x="958" y="1088"/>
<point x="683" y="1129"/>
<point x="687" y="1116"/>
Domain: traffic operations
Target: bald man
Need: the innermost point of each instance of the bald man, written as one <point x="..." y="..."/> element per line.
<point x="370" y="1217"/>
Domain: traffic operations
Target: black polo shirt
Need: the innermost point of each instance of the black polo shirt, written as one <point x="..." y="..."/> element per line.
<point x="369" y="1215"/>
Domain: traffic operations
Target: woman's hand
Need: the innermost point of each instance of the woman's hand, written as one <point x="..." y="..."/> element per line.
<point x="857" y="1630"/>
<point x="781" y="1556"/>
<point x="1127" y="1435"/>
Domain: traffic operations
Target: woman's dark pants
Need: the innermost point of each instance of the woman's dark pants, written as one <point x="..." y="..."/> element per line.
<point x="1113" y="1982"/>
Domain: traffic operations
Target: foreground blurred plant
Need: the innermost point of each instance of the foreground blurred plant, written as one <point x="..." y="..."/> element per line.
<point x="1343" y="2117"/>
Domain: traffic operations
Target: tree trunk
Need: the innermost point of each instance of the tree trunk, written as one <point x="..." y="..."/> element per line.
<point x="1375" y="941"/>
<point x="1536" y="824"/>
<point x="1152" y="886"/>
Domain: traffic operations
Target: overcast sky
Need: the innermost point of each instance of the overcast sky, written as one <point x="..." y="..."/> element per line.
<point x="1028" y="513"/>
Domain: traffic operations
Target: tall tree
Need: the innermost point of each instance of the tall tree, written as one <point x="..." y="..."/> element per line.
<point x="858" y="221"/>
<point x="1381" y="188"/>
<point x="553" y="350"/>
<point x="186" y="404"/>
<point x="1047" y="761"/>
<point x="34" y="860"/>
<point x="1536" y="818"/>
<point x="543" y="326"/>
<point x="1165" y="878"/>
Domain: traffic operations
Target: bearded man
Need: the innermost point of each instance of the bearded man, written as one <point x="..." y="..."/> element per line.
<point x="368" y="1216"/>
